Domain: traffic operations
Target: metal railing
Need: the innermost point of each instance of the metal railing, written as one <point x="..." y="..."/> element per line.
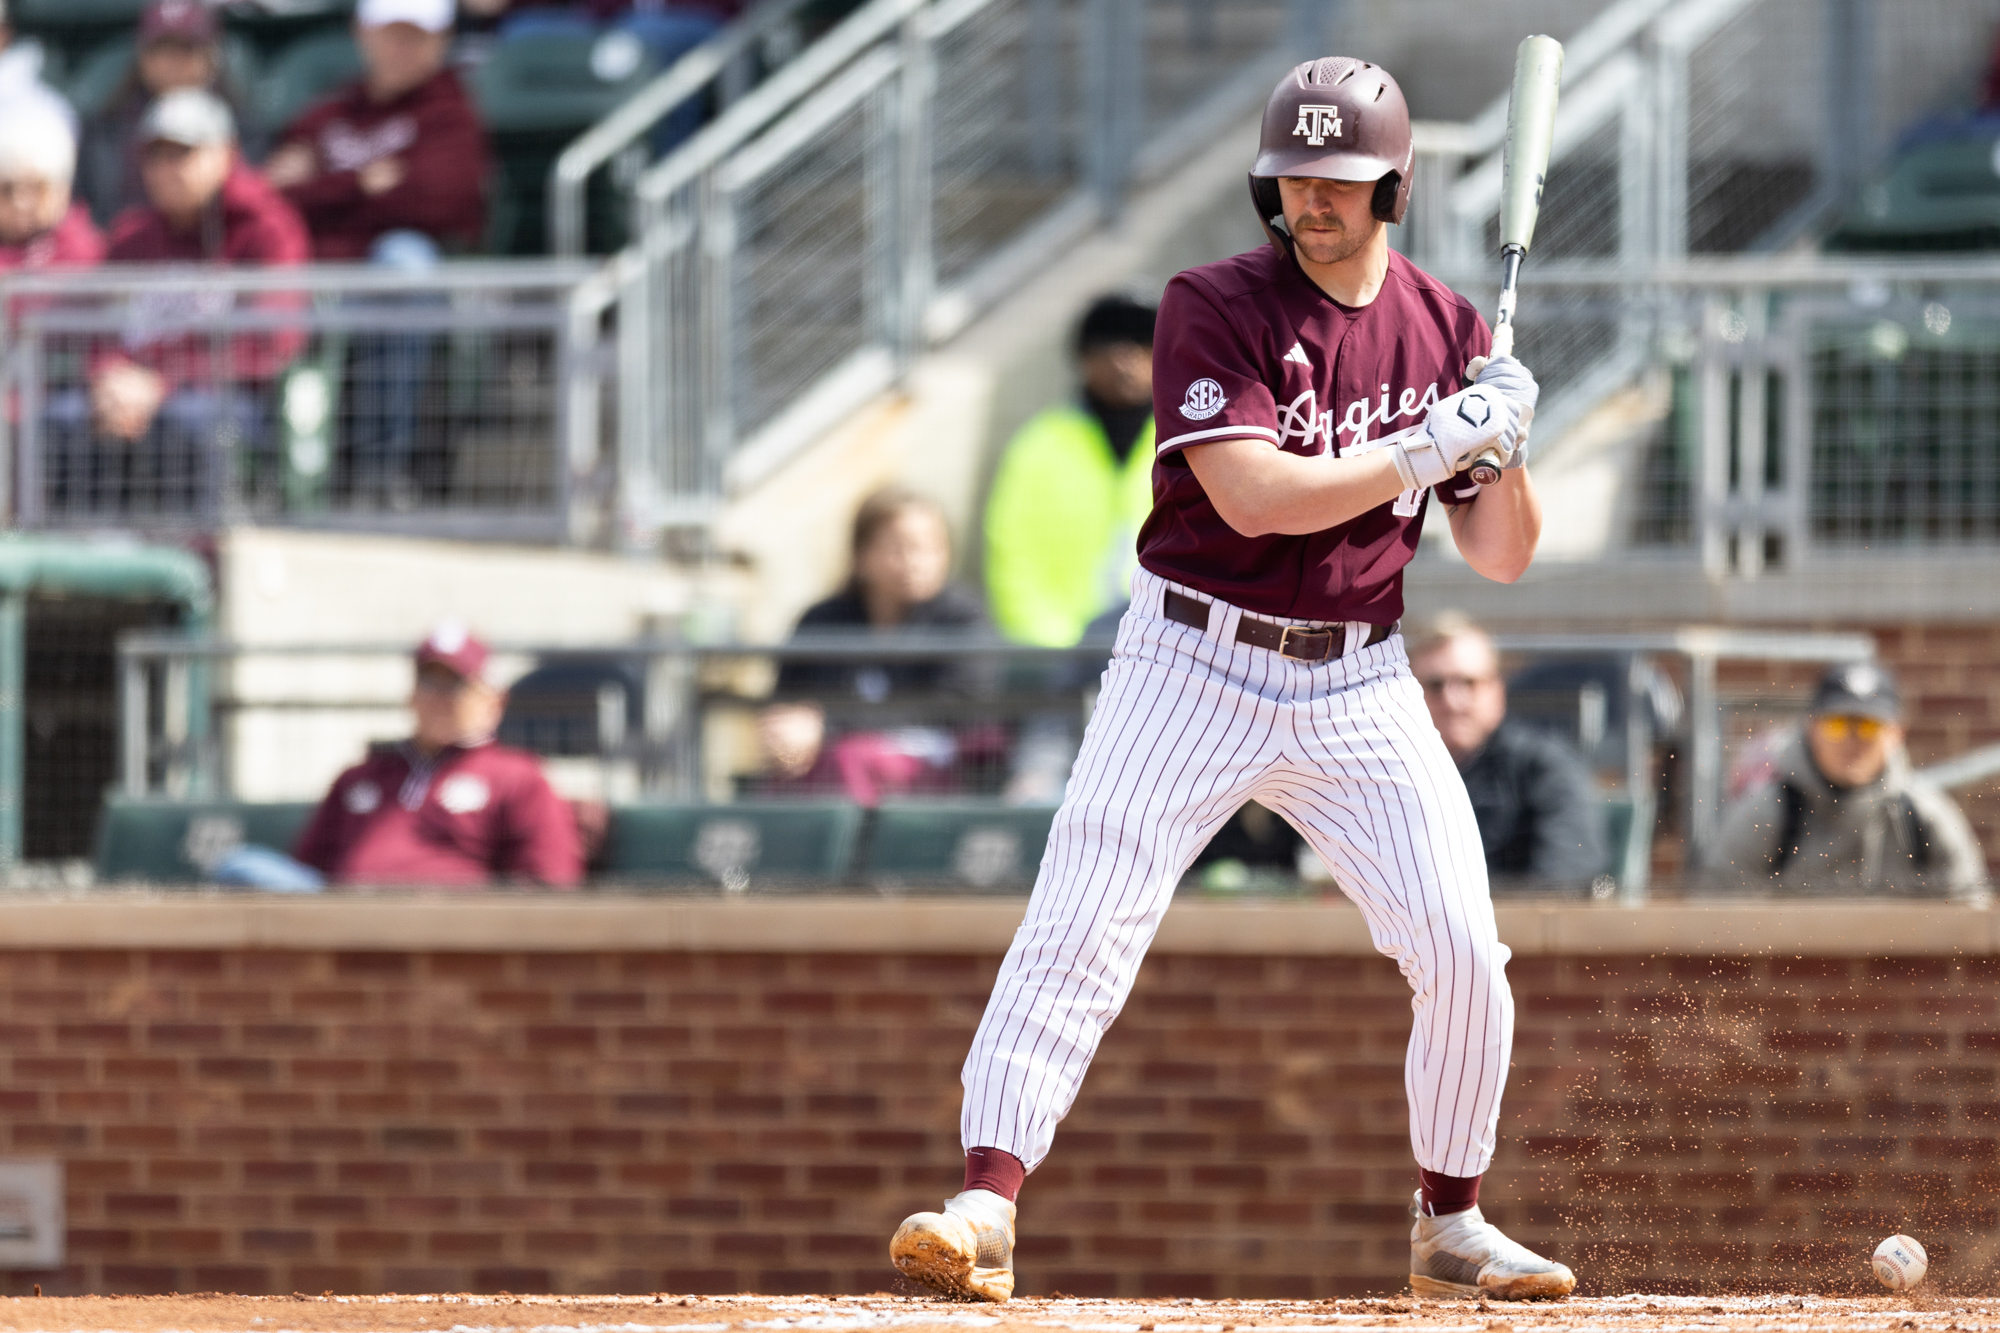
<point x="466" y="401"/>
<point x="720" y="70"/>
<point x="1801" y="407"/>
<point x="677" y="721"/>
<point x="1694" y="127"/>
<point x="888" y="183"/>
<point x="1703" y="126"/>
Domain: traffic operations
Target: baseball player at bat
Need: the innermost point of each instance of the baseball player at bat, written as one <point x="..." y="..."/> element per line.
<point x="1310" y="397"/>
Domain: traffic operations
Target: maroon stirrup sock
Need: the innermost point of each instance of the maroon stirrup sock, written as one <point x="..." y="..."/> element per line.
<point x="1001" y="1171"/>
<point x="1448" y="1194"/>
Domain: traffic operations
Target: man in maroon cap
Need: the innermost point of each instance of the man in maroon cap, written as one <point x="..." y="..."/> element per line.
<point x="449" y="807"/>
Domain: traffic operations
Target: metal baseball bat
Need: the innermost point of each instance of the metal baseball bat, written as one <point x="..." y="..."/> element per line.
<point x="1524" y="168"/>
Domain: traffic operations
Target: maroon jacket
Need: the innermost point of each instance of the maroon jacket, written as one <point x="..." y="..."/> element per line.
<point x="249" y="223"/>
<point x="464" y="818"/>
<point x="74" y="242"/>
<point x="433" y="128"/>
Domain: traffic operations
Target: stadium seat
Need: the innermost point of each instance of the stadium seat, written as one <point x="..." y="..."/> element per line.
<point x="558" y="83"/>
<point x="37" y="15"/>
<point x="273" y="25"/>
<point x="97" y="74"/>
<point x="577" y="704"/>
<point x="1943" y="193"/>
<point x="1627" y="847"/>
<point x="733" y="847"/>
<point x="979" y="847"/>
<point x="176" y="842"/>
<point x="536" y="93"/>
<point x="301" y="74"/>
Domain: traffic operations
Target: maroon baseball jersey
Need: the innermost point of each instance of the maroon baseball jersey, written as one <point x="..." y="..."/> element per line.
<point x="1250" y="348"/>
<point x="465" y="817"/>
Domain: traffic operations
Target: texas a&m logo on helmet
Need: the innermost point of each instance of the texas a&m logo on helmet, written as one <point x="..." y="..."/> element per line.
<point x="1317" y="123"/>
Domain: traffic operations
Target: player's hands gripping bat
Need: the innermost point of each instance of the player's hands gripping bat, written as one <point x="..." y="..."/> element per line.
<point x="1531" y="127"/>
<point x="1454" y="432"/>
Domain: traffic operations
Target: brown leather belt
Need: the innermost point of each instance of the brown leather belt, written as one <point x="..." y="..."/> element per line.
<point x="1297" y="642"/>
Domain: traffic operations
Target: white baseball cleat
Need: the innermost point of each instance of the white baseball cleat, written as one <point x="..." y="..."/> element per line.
<point x="1462" y="1254"/>
<point x="965" y="1251"/>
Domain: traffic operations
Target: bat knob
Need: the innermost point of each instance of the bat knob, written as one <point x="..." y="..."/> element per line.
<point x="1485" y="469"/>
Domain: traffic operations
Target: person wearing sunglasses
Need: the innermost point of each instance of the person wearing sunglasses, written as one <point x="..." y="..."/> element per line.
<point x="1541" y="817"/>
<point x="1842" y="812"/>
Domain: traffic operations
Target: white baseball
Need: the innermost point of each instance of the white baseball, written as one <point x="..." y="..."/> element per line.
<point x="1900" y="1263"/>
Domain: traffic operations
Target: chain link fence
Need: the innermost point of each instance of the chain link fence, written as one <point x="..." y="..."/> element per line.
<point x="1713" y="126"/>
<point x="1697" y="128"/>
<point x="803" y="256"/>
<point x="1797" y="406"/>
<point x="1906" y="422"/>
<point x="1757" y="97"/>
<point x="1004" y="137"/>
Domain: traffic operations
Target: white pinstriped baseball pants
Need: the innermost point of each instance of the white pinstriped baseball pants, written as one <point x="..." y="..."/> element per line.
<point x="1189" y="726"/>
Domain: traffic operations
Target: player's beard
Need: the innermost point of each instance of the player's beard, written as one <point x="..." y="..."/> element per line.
<point x="1331" y="240"/>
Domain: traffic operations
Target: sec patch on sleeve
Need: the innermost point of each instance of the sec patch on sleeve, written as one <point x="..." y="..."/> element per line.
<point x="1204" y="399"/>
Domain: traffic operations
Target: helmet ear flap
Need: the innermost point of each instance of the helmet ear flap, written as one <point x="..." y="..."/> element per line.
<point x="1387" y="204"/>
<point x="1264" y="197"/>
<point x="1270" y="203"/>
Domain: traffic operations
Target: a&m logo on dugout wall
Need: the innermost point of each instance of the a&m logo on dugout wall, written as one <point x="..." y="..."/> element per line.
<point x="1318" y="124"/>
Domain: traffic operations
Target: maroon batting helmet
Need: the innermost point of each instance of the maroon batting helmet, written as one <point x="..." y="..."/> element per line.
<point x="1336" y="118"/>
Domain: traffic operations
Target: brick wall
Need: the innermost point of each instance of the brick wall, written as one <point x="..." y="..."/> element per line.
<point x="304" y="1120"/>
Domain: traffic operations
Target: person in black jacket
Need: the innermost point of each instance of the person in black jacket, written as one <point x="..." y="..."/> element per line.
<point x="1540" y="815"/>
<point x="900" y="583"/>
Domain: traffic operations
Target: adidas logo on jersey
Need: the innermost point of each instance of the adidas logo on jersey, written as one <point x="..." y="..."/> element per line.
<point x="1298" y="354"/>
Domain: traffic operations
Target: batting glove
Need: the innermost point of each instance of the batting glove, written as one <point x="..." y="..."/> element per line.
<point x="1511" y="378"/>
<point x="1457" y="428"/>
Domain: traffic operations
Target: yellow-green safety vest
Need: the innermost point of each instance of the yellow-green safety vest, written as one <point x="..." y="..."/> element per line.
<point x="1062" y="526"/>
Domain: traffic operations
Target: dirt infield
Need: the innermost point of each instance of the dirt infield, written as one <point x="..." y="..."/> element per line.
<point x="1925" y="1313"/>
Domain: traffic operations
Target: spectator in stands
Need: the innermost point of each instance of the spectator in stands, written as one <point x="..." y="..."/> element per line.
<point x="1540" y="816"/>
<point x="1073" y="487"/>
<point x="900" y="581"/>
<point x="40" y="225"/>
<point x="169" y="386"/>
<point x="635" y="29"/>
<point x="450" y="806"/>
<point x="393" y="167"/>
<point x="1841" y="810"/>
<point x="179" y="45"/>
<point x="21" y="82"/>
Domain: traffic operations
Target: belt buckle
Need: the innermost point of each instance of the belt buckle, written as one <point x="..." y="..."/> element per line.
<point x="1285" y="644"/>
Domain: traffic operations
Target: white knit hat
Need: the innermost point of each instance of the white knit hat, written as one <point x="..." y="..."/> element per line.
<point x="35" y="141"/>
